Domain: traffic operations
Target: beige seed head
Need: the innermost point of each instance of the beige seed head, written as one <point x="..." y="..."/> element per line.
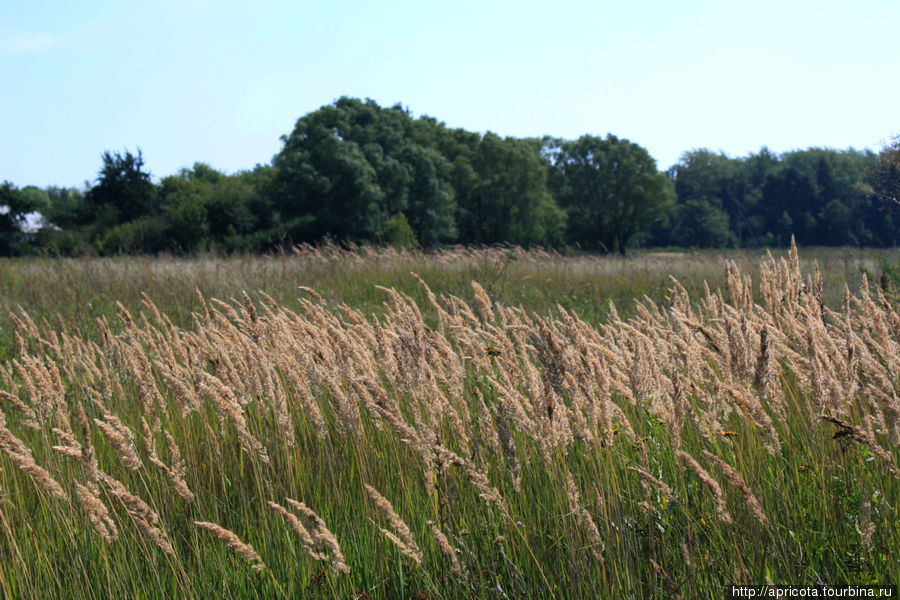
<point x="446" y="548"/>
<point x="735" y="479"/>
<point x="322" y="535"/>
<point x="710" y="483"/>
<point x="234" y="543"/>
<point x="657" y="483"/>
<point x="403" y="539"/>
<point x="294" y="523"/>
<point x="97" y="512"/>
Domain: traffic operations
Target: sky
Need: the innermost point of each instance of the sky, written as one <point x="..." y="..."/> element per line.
<point x="220" y="81"/>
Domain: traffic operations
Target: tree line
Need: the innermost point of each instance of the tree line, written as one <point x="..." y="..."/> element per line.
<point x="354" y="171"/>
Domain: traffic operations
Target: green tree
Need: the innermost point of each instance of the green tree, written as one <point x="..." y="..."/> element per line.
<point x="349" y="167"/>
<point x="835" y="221"/>
<point x="510" y="200"/>
<point x="790" y="190"/>
<point x="65" y="208"/>
<point x="184" y="206"/>
<point x="325" y="185"/>
<point x="431" y="199"/>
<point x="785" y="228"/>
<point x="703" y="223"/>
<point x="885" y="175"/>
<point x="63" y="216"/>
<point x="15" y="204"/>
<point x="124" y="190"/>
<point x="719" y="183"/>
<point x="610" y="189"/>
<point x="206" y="208"/>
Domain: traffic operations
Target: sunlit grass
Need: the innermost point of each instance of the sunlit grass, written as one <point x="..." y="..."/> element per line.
<point x="504" y="501"/>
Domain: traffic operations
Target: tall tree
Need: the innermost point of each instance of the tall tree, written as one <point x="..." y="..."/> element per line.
<point x="712" y="182"/>
<point x="886" y="174"/>
<point x="15" y="204"/>
<point x="789" y="190"/>
<point x="124" y="191"/>
<point x="209" y="209"/>
<point x="326" y="185"/>
<point x="509" y="199"/>
<point x="65" y="208"/>
<point x="703" y="223"/>
<point x="431" y="198"/>
<point x="347" y="168"/>
<point x="611" y="190"/>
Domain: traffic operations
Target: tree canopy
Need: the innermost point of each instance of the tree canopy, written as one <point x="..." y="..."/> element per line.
<point x="610" y="189"/>
<point x="354" y="171"/>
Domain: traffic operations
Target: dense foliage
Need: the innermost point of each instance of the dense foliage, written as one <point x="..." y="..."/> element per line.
<point x="353" y="171"/>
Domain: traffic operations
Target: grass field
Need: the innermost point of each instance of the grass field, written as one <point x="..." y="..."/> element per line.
<point x="371" y="424"/>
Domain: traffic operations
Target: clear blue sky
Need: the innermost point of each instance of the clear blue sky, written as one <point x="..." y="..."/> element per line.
<point x="220" y="81"/>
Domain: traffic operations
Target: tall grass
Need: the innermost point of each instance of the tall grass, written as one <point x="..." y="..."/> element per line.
<point x="412" y="441"/>
<point x="79" y="290"/>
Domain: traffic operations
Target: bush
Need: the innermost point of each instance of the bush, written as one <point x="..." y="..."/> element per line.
<point x="56" y="242"/>
<point x="147" y="234"/>
<point x="398" y="233"/>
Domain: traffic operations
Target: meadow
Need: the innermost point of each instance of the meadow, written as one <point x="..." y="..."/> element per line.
<point x="467" y="423"/>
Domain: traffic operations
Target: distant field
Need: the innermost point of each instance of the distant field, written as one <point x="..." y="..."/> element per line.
<point x="80" y="290"/>
<point x="371" y="424"/>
